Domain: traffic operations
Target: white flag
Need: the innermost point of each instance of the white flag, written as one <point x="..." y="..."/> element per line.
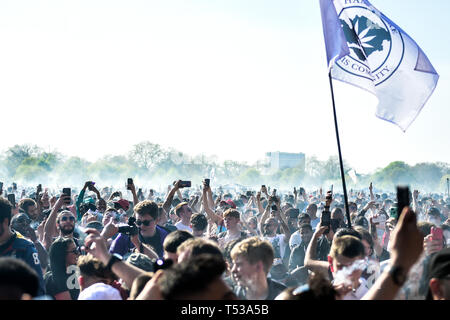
<point x="367" y="50"/>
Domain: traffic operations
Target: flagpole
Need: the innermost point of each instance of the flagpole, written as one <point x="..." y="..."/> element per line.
<point x="349" y="223"/>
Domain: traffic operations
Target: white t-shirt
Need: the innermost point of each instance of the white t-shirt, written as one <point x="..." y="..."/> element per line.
<point x="278" y="244"/>
<point x="100" y="291"/>
<point x="181" y="226"/>
<point x="295" y="240"/>
<point x="227" y="238"/>
<point x="314" y="223"/>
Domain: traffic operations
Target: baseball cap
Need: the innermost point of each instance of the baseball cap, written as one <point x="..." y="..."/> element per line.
<point x="231" y="203"/>
<point x="96" y="225"/>
<point x="141" y="261"/>
<point x="123" y="203"/>
<point x="439" y="267"/>
<point x="177" y="208"/>
<point x="89" y="200"/>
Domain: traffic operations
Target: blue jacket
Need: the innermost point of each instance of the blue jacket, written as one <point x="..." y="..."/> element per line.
<point x="23" y="249"/>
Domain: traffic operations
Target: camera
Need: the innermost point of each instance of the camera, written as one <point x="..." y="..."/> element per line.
<point x="207" y="182"/>
<point x="162" y="264"/>
<point x="131" y="229"/>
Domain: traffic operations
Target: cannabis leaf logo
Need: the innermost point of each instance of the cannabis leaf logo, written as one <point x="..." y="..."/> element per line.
<point x="364" y="36"/>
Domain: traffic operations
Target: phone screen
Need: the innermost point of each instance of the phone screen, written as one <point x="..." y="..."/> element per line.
<point x="67" y="191"/>
<point x="325" y="220"/>
<point x="185" y="184"/>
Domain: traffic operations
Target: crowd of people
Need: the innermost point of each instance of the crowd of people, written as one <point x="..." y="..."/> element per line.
<point x="212" y="242"/>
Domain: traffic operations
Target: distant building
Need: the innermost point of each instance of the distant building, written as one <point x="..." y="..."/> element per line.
<point x="282" y="160"/>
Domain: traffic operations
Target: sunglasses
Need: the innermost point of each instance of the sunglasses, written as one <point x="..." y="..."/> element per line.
<point x="71" y="218"/>
<point x="145" y="222"/>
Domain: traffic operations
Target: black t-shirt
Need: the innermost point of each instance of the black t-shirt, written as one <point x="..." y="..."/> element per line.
<point x="169" y="227"/>
<point x="275" y="288"/>
<point x="154" y="241"/>
<point x="297" y="257"/>
<point x="323" y="249"/>
<point x="53" y="287"/>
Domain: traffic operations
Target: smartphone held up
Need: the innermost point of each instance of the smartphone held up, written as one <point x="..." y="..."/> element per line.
<point x="185" y="184"/>
<point x="403" y="199"/>
<point x="66" y="192"/>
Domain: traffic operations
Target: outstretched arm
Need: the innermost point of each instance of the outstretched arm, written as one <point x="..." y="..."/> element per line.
<point x="132" y="188"/>
<point x="50" y="223"/>
<point x="258" y="203"/>
<point x="310" y="256"/>
<point x="170" y="196"/>
<point x="284" y="226"/>
<point x="209" y="212"/>
<point x="80" y="200"/>
<point x="372" y="197"/>
<point x="264" y="217"/>
<point x="96" y="245"/>
<point x="407" y="246"/>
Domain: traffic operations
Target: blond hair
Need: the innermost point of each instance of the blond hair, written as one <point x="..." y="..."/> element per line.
<point x="253" y="250"/>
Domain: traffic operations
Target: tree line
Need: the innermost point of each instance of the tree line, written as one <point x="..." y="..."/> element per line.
<point x="152" y="163"/>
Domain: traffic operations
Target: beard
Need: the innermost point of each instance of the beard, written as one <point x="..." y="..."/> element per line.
<point x="67" y="230"/>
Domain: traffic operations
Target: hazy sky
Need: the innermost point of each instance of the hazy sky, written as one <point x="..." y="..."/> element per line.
<point x="232" y="78"/>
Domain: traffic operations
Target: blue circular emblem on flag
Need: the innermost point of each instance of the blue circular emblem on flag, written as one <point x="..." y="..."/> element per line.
<point x="376" y="46"/>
